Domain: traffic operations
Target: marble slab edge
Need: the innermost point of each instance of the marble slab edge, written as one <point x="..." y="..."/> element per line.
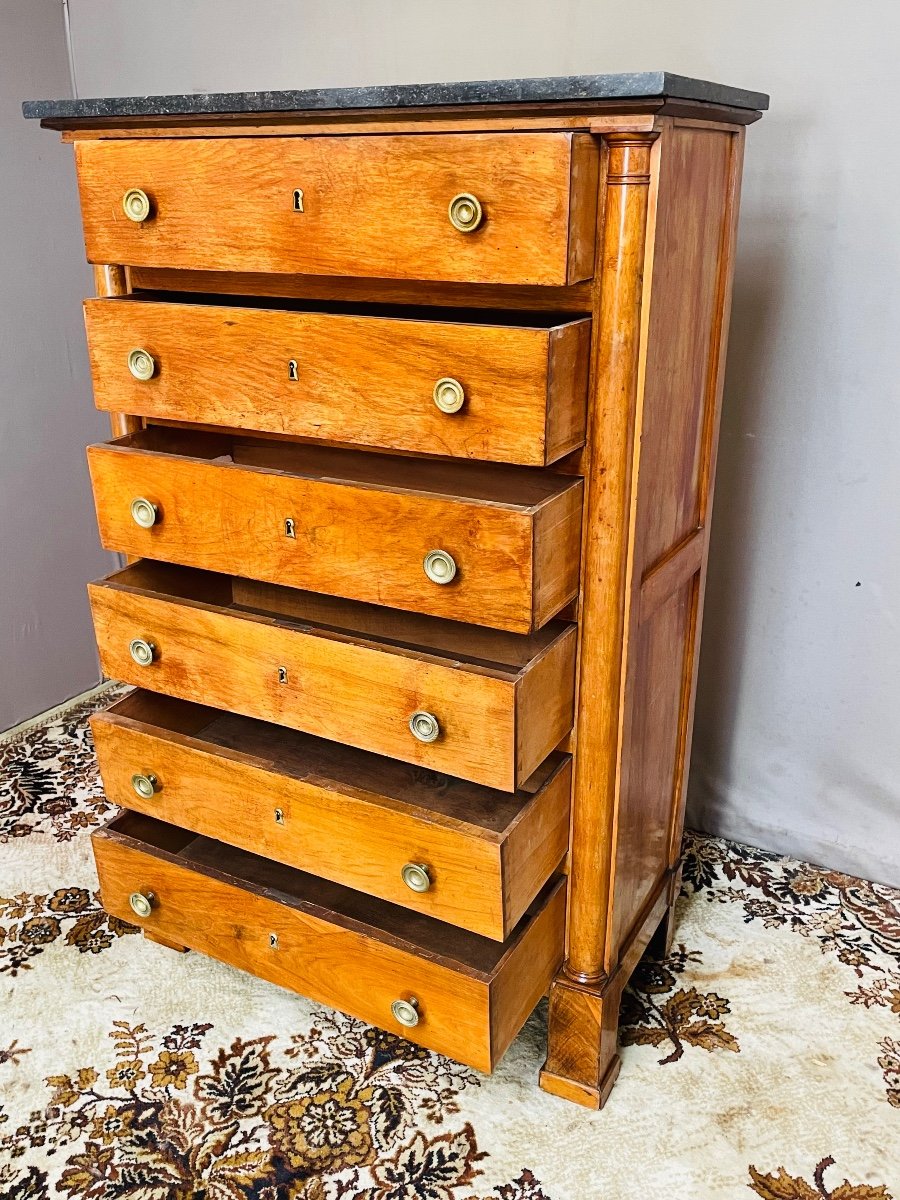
<point x="650" y="85"/>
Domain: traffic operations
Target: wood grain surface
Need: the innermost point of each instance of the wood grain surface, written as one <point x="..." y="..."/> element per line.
<point x="335" y="946"/>
<point x="362" y="523"/>
<point x="312" y="804"/>
<point x="366" y="380"/>
<point x="375" y="206"/>
<point x="492" y="729"/>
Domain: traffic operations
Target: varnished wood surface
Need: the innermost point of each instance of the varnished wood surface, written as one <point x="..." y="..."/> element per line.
<point x="575" y="298"/>
<point x="112" y="281"/>
<point x="499" y="720"/>
<point x="658" y="208"/>
<point x="312" y="804"/>
<point x="605" y="557"/>
<point x="670" y="221"/>
<point x="362" y="523"/>
<point x="373" y="206"/>
<point x="367" y="380"/>
<point x="336" y="946"/>
<point x="682" y="389"/>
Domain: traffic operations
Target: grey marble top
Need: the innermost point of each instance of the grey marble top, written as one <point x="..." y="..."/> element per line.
<point x="646" y="85"/>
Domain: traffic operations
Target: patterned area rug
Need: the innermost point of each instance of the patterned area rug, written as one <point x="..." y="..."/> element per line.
<point x="762" y="1058"/>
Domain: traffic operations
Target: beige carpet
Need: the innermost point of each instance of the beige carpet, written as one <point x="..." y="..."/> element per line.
<point x="763" y="1058"/>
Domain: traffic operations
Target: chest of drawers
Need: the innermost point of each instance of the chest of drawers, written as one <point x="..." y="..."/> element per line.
<point x="414" y="399"/>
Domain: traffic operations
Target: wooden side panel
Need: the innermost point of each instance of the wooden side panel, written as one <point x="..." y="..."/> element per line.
<point x="363" y="380"/>
<point x="570" y="353"/>
<point x="527" y="972"/>
<point x="556" y="542"/>
<point x="649" y="759"/>
<point x="682" y="329"/>
<point x="372" y="206"/>
<point x="545" y="704"/>
<point x="538" y="841"/>
<point x="686" y="328"/>
<point x="585" y="166"/>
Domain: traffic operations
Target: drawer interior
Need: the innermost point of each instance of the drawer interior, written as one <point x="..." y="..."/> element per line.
<point x="512" y="318"/>
<point x="424" y="936"/>
<point x="489" y="651"/>
<point x="335" y="766"/>
<point x="496" y="483"/>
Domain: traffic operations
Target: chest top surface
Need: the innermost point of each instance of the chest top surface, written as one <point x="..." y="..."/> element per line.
<point x="657" y="86"/>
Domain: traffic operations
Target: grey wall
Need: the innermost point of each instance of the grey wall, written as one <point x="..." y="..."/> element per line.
<point x="797" y="744"/>
<point x="48" y="540"/>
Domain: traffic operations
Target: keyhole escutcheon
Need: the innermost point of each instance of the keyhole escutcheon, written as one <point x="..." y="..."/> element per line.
<point x="293" y="374"/>
<point x="298" y="200"/>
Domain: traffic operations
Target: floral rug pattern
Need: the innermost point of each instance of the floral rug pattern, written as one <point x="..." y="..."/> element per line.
<point x="762" y="1057"/>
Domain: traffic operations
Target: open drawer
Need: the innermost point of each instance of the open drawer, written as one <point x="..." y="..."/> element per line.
<point x="489" y="544"/>
<point x="455" y="992"/>
<point x="506" y="387"/>
<point x="462" y="853"/>
<point x="480" y="704"/>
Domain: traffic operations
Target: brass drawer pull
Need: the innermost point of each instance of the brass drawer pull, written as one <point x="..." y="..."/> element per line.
<point x="424" y="726"/>
<point x="146" y="786"/>
<point x="142" y="652"/>
<point x="449" y="395"/>
<point x="465" y="212"/>
<point x="415" y="876"/>
<point x="142" y="903"/>
<point x="143" y="512"/>
<point x="439" y="566"/>
<point x="141" y="364"/>
<point x="406" y="1012"/>
<point x="136" y="204"/>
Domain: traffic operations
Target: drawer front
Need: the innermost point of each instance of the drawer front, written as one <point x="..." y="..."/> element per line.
<point x="358" y="206"/>
<point x="492" y="730"/>
<point x="373" y="381"/>
<point x="466" y="1011"/>
<point x="516" y="565"/>
<point x="290" y="807"/>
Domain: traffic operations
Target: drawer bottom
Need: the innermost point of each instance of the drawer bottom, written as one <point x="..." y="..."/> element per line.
<point x="464" y="995"/>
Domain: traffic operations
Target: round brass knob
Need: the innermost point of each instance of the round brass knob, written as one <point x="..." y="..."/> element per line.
<point x="449" y="395"/>
<point x="142" y="903"/>
<point x="146" y="786"/>
<point x="141" y="364"/>
<point x="406" y="1011"/>
<point x="142" y="652"/>
<point x="440" y="567"/>
<point x="143" y="513"/>
<point x="415" y="876"/>
<point x="136" y="204"/>
<point x="465" y="212"/>
<point x="424" y="726"/>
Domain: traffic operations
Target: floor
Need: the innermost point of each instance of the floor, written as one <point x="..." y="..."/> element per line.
<point x="762" y="1058"/>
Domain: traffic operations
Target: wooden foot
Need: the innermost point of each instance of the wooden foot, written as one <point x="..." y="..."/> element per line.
<point x="161" y="941"/>
<point x="582" y="1059"/>
<point x="660" y="944"/>
<point x="582" y="1056"/>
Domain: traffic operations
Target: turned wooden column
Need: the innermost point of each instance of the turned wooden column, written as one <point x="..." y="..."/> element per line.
<point x="581" y="1060"/>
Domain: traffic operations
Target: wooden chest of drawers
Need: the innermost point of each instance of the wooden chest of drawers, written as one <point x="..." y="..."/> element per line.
<point x="415" y="414"/>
